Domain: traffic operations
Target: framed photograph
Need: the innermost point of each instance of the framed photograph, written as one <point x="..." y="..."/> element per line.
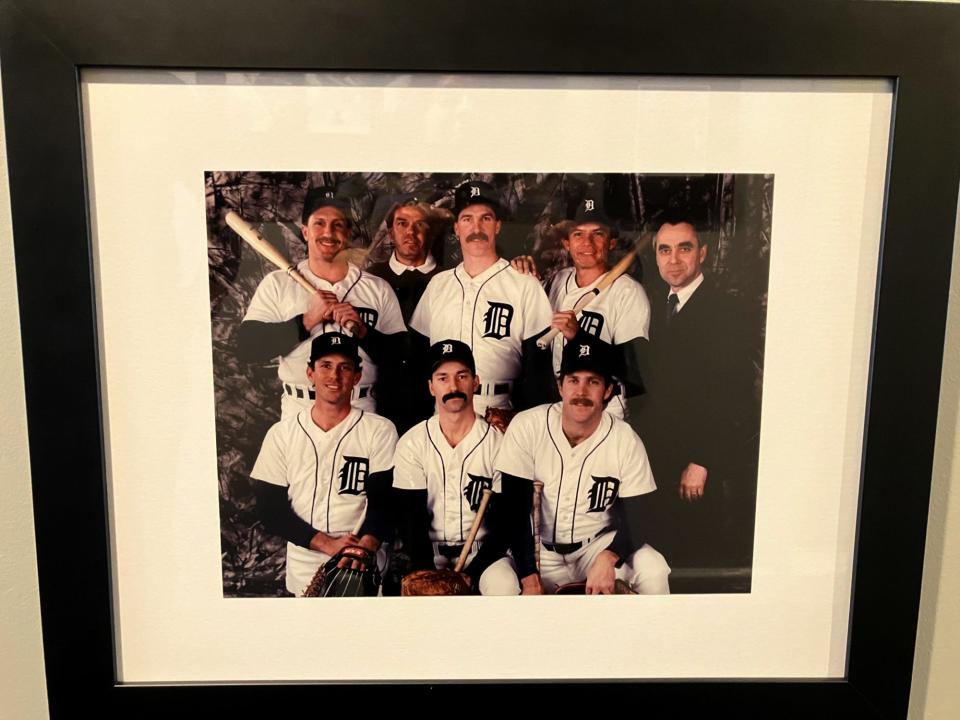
<point x="813" y="173"/>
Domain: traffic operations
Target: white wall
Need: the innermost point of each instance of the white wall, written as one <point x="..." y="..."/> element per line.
<point x="936" y="694"/>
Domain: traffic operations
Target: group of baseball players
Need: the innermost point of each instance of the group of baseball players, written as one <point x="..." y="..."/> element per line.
<point x="450" y="359"/>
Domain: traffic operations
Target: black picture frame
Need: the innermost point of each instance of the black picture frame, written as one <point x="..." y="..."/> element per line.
<point x="44" y="44"/>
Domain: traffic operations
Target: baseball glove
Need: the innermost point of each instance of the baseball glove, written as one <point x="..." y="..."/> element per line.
<point x="333" y="581"/>
<point x="499" y="417"/>
<point x="435" y="582"/>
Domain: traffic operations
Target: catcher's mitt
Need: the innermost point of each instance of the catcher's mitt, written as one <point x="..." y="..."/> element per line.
<point x="333" y="581"/>
<point x="580" y="588"/>
<point x="434" y="582"/>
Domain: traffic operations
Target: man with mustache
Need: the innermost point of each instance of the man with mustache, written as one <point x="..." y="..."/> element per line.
<point x="441" y="468"/>
<point x="619" y="316"/>
<point x="485" y="303"/>
<point x="320" y="469"/>
<point x="597" y="486"/>
<point x="283" y="318"/>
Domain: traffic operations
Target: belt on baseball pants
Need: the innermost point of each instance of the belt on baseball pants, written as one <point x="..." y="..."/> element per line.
<point x="567" y="548"/>
<point x="302" y="392"/>
<point x="499" y="388"/>
<point x="452" y="552"/>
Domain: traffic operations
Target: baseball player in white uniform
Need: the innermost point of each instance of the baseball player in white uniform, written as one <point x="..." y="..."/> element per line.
<point x="619" y="315"/>
<point x="596" y="486"/>
<point x="320" y="469"/>
<point x="283" y="318"/>
<point x="441" y="468"/>
<point x="488" y="305"/>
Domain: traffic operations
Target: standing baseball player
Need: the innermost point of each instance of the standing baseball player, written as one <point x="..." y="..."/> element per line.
<point x="618" y="316"/>
<point x="283" y="318"/>
<point x="321" y="468"/>
<point x="596" y="486"/>
<point x="485" y="303"/>
<point x="441" y="468"/>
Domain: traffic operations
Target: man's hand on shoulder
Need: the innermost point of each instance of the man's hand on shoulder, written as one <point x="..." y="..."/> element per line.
<point x="525" y="265"/>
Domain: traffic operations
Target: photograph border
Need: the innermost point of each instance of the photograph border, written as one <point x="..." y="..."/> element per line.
<point x="44" y="45"/>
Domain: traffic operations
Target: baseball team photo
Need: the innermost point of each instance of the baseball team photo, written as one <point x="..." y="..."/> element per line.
<point x="494" y="384"/>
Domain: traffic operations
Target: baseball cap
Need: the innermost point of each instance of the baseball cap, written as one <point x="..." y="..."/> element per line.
<point x="590" y="210"/>
<point x="319" y="197"/>
<point x="586" y="352"/>
<point x="450" y="351"/>
<point x="475" y="192"/>
<point x="334" y="343"/>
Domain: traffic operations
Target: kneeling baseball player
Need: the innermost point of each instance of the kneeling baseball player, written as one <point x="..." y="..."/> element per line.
<point x="596" y="486"/>
<point x="441" y="468"/>
<point x="321" y="468"/>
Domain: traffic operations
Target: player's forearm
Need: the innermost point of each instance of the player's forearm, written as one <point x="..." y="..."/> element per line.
<point x="515" y="522"/>
<point x="261" y="341"/>
<point x="494" y="545"/>
<point x="414" y="524"/>
<point x="631" y="517"/>
<point x="631" y="356"/>
<point x="379" y="520"/>
<point x="273" y="508"/>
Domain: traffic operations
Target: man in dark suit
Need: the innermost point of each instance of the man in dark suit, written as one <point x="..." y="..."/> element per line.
<point x="695" y="418"/>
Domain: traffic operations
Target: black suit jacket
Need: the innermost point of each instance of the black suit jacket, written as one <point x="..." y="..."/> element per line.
<point x="699" y="380"/>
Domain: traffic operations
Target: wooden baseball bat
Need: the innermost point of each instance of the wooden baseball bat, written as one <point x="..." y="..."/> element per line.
<point x="537" y="495"/>
<point x="468" y="545"/>
<point x="616" y="271"/>
<point x="255" y="240"/>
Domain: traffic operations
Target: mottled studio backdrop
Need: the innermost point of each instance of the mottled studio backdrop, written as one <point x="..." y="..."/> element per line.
<point x="737" y="207"/>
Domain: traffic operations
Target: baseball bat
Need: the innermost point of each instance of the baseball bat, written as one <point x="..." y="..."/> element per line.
<point x="255" y="240"/>
<point x="537" y="493"/>
<point x="468" y="545"/>
<point x="616" y="271"/>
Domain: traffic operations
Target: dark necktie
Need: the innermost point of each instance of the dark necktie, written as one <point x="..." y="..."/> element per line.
<point x="672" y="302"/>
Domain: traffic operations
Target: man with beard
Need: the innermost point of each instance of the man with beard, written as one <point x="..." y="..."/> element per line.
<point x="597" y="487"/>
<point x="489" y="306"/>
<point x="320" y="469"/>
<point x="283" y="318"/>
<point x="441" y="468"/>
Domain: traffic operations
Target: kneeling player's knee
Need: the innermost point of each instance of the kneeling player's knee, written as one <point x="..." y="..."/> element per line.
<point x="649" y="565"/>
<point x="499" y="579"/>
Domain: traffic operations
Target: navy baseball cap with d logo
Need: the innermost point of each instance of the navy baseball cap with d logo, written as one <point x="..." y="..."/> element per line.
<point x="450" y="351"/>
<point x="334" y="343"/>
<point x="475" y="192"/>
<point x="585" y="352"/>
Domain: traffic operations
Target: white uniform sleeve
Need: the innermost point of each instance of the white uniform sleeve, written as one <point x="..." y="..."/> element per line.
<point x="516" y="450"/>
<point x="271" y="464"/>
<point x="265" y="304"/>
<point x="636" y="477"/>
<point x="537" y="314"/>
<point x="633" y="313"/>
<point x="384" y="446"/>
<point x="391" y="319"/>
<point x="408" y="469"/>
<point x="420" y="320"/>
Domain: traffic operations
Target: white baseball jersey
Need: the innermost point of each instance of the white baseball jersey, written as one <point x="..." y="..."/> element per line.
<point x="580" y="483"/>
<point x="454" y="478"/>
<point x="278" y="299"/>
<point x="325" y="475"/>
<point x="493" y="313"/>
<point x="619" y="314"/>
